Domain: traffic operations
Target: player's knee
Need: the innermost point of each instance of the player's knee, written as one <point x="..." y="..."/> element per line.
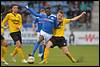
<point x="49" y="44"/>
<point x="41" y="37"/>
<point x="43" y="43"/>
<point x="4" y="43"/>
<point x="65" y="49"/>
<point x="18" y="44"/>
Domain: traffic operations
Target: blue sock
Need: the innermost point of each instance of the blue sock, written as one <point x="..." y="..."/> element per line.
<point x="42" y="57"/>
<point x="36" y="45"/>
<point x="41" y="50"/>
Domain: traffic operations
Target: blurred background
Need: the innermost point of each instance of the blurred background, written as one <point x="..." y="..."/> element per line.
<point x="89" y="23"/>
<point x="70" y="8"/>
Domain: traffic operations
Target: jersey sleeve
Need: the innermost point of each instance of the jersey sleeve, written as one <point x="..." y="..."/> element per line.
<point x="66" y="21"/>
<point x="2" y="31"/>
<point x="53" y="18"/>
<point x="4" y="20"/>
<point x="34" y="13"/>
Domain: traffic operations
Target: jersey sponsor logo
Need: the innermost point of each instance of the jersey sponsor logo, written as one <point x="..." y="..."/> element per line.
<point x="15" y="21"/>
<point x="52" y="18"/>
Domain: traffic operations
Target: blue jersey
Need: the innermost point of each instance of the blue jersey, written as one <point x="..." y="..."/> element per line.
<point x="48" y="22"/>
<point x="38" y="24"/>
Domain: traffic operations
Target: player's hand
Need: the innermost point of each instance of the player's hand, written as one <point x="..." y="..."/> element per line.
<point x="24" y="5"/>
<point x="83" y="13"/>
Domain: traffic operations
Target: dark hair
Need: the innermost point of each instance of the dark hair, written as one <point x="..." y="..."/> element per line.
<point x="10" y="10"/>
<point x="14" y="5"/>
<point x="41" y="10"/>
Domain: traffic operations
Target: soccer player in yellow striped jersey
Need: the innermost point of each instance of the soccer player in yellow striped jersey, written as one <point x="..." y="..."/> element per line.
<point x="58" y="37"/>
<point x="4" y="48"/>
<point x="14" y="20"/>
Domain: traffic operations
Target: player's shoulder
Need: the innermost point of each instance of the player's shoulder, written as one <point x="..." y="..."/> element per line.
<point x="66" y="18"/>
<point x="52" y="16"/>
<point x="19" y="14"/>
<point x="9" y="13"/>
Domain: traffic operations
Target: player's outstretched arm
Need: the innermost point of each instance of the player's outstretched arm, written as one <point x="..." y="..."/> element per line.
<point x="78" y="17"/>
<point x="32" y="11"/>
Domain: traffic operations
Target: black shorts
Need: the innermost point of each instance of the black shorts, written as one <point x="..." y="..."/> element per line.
<point x="16" y="36"/>
<point x="58" y="41"/>
<point x="2" y="38"/>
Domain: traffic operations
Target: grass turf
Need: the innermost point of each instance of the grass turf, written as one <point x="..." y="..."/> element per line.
<point x="90" y="54"/>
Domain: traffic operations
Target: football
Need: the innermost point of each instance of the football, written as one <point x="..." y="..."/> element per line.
<point x="30" y="60"/>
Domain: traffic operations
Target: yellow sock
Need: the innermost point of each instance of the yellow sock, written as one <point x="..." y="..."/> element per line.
<point x="70" y="57"/>
<point x="4" y="52"/>
<point x="14" y="52"/>
<point x="21" y="53"/>
<point x="46" y="53"/>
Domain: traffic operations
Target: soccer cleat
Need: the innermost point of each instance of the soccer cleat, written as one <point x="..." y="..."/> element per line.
<point x="45" y="62"/>
<point x="24" y="61"/>
<point x="13" y="58"/>
<point x="3" y="61"/>
<point x="79" y="60"/>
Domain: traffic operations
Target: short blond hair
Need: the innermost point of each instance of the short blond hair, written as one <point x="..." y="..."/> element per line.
<point x="60" y="11"/>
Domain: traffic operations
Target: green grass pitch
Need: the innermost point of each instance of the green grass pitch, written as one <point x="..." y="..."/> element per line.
<point x="90" y="54"/>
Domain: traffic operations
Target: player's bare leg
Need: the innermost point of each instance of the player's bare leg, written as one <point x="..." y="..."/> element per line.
<point x="41" y="38"/>
<point x="46" y="52"/>
<point x="4" y="51"/>
<point x="68" y="54"/>
<point x="37" y="44"/>
<point x="19" y="50"/>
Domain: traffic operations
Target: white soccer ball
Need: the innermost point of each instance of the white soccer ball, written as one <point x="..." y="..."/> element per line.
<point x="30" y="60"/>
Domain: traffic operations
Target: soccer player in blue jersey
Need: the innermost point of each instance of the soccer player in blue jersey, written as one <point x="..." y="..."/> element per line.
<point x="48" y="24"/>
<point x="38" y="26"/>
